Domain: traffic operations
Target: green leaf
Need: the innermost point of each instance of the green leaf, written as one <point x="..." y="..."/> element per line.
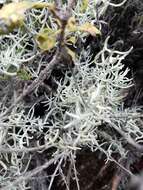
<point x="71" y="40"/>
<point x="72" y="26"/>
<point x="23" y="74"/>
<point x="40" y="5"/>
<point x="84" y="5"/>
<point x="12" y="14"/>
<point x="46" y="39"/>
<point x="71" y="53"/>
<point x="89" y="28"/>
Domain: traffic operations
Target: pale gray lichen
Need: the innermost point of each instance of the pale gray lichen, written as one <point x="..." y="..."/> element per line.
<point x="85" y="111"/>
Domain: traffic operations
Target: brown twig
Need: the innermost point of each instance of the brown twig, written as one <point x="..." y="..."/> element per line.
<point x="58" y="3"/>
<point x="115" y="182"/>
<point x="71" y="4"/>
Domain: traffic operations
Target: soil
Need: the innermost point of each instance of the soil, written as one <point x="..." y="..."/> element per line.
<point x="93" y="173"/>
